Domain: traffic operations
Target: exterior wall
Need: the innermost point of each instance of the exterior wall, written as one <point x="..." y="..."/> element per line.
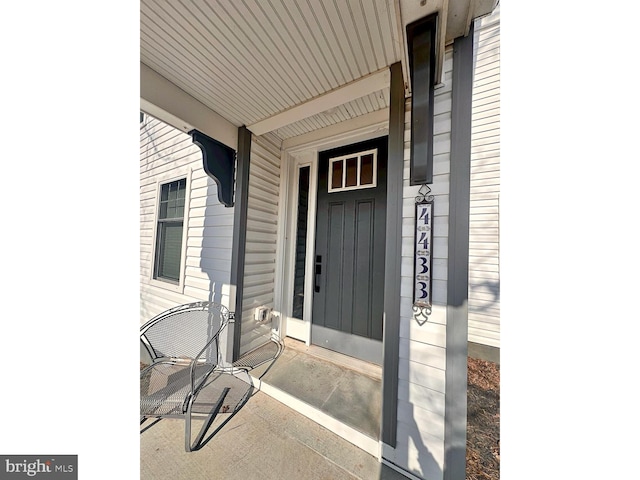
<point x="262" y="238"/>
<point x="421" y="375"/>
<point x="167" y="153"/>
<point x="484" y="265"/>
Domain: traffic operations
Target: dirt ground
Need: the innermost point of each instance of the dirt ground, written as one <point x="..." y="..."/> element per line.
<point x="483" y="420"/>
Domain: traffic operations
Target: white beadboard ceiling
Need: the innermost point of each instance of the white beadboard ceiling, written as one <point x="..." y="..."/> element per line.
<point x="250" y="60"/>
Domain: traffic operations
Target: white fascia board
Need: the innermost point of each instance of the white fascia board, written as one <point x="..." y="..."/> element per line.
<point x="401" y="39"/>
<point x="336" y="97"/>
<point x="164" y="100"/>
<point x="441" y="36"/>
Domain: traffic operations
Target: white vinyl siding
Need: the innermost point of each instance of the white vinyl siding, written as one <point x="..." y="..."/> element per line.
<point x="421" y="372"/>
<point x="484" y="237"/>
<point x="167" y="153"/>
<point x="261" y="244"/>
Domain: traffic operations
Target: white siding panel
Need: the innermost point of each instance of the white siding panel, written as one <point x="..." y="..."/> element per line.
<point x="429" y="333"/>
<point x="424" y="353"/>
<point x="428" y="377"/>
<point x="419" y="395"/>
<point x="422" y="451"/>
<point x="167" y="153"/>
<point x="261" y="243"/>
<point x="484" y="246"/>
<point x="422" y="415"/>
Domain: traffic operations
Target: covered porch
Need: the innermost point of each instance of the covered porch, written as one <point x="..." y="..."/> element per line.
<point x="263" y="92"/>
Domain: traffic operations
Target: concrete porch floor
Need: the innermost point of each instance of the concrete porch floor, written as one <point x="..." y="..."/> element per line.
<point x="266" y="439"/>
<point x="342" y="387"/>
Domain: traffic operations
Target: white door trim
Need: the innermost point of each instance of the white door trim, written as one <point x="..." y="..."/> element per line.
<point x="305" y="153"/>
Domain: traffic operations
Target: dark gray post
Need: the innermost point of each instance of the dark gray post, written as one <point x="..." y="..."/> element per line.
<point x="421" y="43"/>
<point x="393" y="257"/>
<point x="455" y="418"/>
<point x="240" y="231"/>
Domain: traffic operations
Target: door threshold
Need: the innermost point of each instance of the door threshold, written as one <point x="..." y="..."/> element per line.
<point x="365" y="368"/>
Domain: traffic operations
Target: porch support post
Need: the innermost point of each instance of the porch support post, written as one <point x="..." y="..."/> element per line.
<point x="455" y="418"/>
<point x="393" y="254"/>
<point x="240" y="232"/>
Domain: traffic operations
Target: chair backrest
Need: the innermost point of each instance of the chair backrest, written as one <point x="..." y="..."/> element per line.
<point x="185" y="330"/>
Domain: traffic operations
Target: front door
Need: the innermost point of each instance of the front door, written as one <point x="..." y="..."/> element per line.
<point x="348" y="296"/>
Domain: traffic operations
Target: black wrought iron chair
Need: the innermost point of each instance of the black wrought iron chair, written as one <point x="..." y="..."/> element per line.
<point x="186" y="376"/>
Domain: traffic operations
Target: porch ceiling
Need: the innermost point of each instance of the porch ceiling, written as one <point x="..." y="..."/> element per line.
<point x="261" y="63"/>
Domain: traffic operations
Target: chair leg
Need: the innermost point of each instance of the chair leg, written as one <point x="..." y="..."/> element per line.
<point x="205" y="426"/>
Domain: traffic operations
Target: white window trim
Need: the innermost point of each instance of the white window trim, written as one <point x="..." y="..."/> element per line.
<point x="161" y="180"/>
<point x="299" y="329"/>
<point x="359" y="156"/>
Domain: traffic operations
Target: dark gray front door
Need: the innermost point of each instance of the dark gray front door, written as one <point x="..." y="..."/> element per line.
<point x="350" y="249"/>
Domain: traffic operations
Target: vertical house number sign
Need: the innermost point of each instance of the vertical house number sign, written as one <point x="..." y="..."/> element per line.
<point x="423" y="255"/>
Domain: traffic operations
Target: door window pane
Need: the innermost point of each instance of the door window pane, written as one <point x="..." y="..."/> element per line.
<point x="336" y="174"/>
<point x="352" y="172"/>
<point x="366" y="169"/>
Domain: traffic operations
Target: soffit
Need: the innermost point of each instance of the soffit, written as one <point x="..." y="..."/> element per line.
<point x="249" y="60"/>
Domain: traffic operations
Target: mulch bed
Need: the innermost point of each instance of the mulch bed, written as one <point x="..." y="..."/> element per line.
<point x="483" y="420"/>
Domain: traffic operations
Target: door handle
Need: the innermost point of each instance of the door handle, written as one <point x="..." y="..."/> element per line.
<point x="317" y="271"/>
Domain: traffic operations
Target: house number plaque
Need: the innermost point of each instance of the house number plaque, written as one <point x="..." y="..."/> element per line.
<point x="423" y="255"/>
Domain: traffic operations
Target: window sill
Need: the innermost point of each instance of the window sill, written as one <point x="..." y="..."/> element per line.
<point x="167" y="285"/>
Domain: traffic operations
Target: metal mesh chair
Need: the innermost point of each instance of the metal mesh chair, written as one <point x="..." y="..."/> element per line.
<point x="183" y="345"/>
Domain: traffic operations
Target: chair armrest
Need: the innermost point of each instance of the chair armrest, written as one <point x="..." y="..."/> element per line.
<point x="197" y="360"/>
<point x="179" y="333"/>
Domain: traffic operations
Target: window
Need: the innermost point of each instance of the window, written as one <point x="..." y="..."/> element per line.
<point x="301" y="242"/>
<point x="351" y="172"/>
<point x="168" y="252"/>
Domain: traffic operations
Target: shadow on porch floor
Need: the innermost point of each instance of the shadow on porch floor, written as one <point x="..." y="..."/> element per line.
<point x="266" y="439"/>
